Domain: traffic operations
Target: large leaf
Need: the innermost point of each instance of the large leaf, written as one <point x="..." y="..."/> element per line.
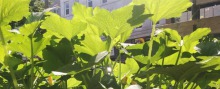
<point x="164" y="9"/>
<point x="13" y="10"/>
<point x="92" y="44"/>
<point x="2" y="52"/>
<point x="119" y="22"/>
<point x="82" y="12"/>
<point x="57" y="56"/>
<point x="29" y="29"/>
<point x="22" y="42"/>
<point x="181" y="72"/>
<point x="190" y="41"/>
<point x="67" y="28"/>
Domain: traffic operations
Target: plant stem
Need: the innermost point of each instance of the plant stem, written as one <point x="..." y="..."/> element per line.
<point x="178" y="57"/>
<point x="119" y="72"/>
<point x="150" y="53"/>
<point x="6" y="54"/>
<point x="13" y="78"/>
<point x="151" y="42"/>
<point x="32" y="64"/>
<point x="148" y="81"/>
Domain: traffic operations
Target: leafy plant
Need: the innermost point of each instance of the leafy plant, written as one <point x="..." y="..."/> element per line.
<point x="52" y="52"/>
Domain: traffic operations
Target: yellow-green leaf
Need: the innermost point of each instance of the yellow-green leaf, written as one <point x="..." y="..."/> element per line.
<point x="13" y="10"/>
<point x="67" y="28"/>
<point x="164" y="9"/>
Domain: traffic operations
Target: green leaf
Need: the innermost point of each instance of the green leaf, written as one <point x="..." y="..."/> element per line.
<point x="182" y="72"/>
<point x="132" y="64"/>
<point x="22" y="42"/>
<point x="82" y="12"/>
<point x="66" y="28"/>
<point x="72" y="82"/>
<point x="119" y="22"/>
<point x="92" y="44"/>
<point x="208" y="48"/>
<point x="190" y="41"/>
<point x="163" y="9"/>
<point x="173" y="35"/>
<point x="125" y="70"/>
<point x="12" y="61"/>
<point x="2" y="52"/>
<point x="57" y="56"/>
<point x="101" y="56"/>
<point x="13" y="10"/>
<point x="29" y="29"/>
<point x="210" y="61"/>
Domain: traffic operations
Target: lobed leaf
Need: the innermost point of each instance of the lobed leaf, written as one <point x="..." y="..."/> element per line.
<point x="13" y="10"/>
<point x="66" y="28"/>
<point x="163" y="9"/>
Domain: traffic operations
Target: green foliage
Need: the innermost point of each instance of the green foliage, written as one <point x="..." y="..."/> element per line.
<point x="69" y="30"/>
<point x="56" y="53"/>
<point x="163" y="9"/>
<point x="13" y="12"/>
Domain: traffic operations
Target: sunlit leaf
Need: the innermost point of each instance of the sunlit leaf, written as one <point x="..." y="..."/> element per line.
<point x="2" y="52"/>
<point x="119" y="22"/>
<point x="72" y="82"/>
<point x="22" y="42"/>
<point x="67" y="28"/>
<point x="13" y="10"/>
<point x="132" y="64"/>
<point x="82" y="12"/>
<point x="182" y="72"/>
<point x="190" y="41"/>
<point x="92" y="44"/>
<point x="164" y="9"/>
<point x="100" y="56"/>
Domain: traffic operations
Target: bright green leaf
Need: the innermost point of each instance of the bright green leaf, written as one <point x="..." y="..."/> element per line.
<point x="72" y="82"/>
<point x="190" y="41"/>
<point x="92" y="44"/>
<point x="82" y="12"/>
<point x="29" y="29"/>
<point x="119" y="22"/>
<point x="163" y="9"/>
<point x="2" y="52"/>
<point x="67" y="28"/>
<point x="132" y="64"/>
<point x="22" y="42"/>
<point x="13" y="10"/>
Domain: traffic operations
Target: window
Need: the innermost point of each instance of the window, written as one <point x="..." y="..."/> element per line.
<point x="104" y="1"/>
<point x="90" y="3"/>
<point x="67" y="8"/>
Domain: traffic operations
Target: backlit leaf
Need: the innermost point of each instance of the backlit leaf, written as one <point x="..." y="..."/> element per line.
<point x="72" y="82"/>
<point x="13" y="10"/>
<point x="67" y="28"/>
<point x="163" y="9"/>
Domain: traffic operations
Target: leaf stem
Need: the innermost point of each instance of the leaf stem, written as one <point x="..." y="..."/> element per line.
<point x="11" y="69"/>
<point x="13" y="78"/>
<point x="178" y="57"/>
<point x="151" y="42"/>
<point x="150" y="53"/>
<point x="119" y="72"/>
<point x="32" y="64"/>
